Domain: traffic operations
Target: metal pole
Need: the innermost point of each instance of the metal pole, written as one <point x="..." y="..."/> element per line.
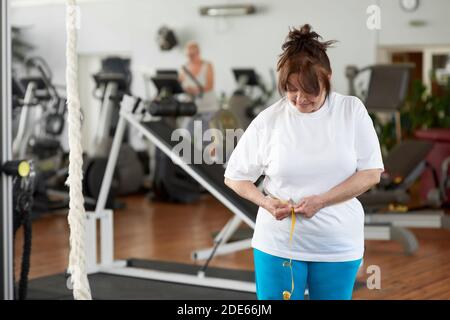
<point x="6" y="216"/>
<point x="110" y="166"/>
<point x="398" y="127"/>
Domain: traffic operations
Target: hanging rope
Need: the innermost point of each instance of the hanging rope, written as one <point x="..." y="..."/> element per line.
<point x="77" y="214"/>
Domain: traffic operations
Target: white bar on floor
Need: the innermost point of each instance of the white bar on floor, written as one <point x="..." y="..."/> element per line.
<point x="377" y="232"/>
<point x="229" y="228"/>
<point x="107" y="238"/>
<point x="91" y="243"/>
<point x="224" y="249"/>
<point x="424" y="219"/>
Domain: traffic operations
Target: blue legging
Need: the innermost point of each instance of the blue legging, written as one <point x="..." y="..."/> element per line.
<point x="325" y="280"/>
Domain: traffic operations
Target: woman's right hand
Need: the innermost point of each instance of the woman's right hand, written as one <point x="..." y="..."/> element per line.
<point x="279" y="209"/>
<point x="247" y="190"/>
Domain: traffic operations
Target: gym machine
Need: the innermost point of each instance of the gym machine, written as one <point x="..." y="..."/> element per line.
<point x="6" y="211"/>
<point x="40" y="124"/>
<point x="251" y="95"/>
<point x="388" y="202"/>
<point x="210" y="177"/>
<point x="170" y="182"/>
<point x="113" y="81"/>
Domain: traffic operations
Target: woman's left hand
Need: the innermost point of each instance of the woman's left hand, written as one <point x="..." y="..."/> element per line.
<point x="309" y="206"/>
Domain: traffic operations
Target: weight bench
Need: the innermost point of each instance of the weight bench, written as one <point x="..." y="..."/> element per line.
<point x="403" y="166"/>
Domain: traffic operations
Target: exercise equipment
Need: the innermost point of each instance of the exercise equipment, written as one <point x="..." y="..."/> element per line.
<point x="436" y="193"/>
<point x="167" y="72"/>
<point x="227" y="132"/>
<point x="23" y="175"/>
<point x="251" y="95"/>
<point x="388" y="202"/>
<point x="210" y="181"/>
<point x="23" y="190"/>
<point x="166" y="104"/>
<point x="6" y="136"/>
<point x="41" y="120"/>
<point x="42" y="130"/>
<point x="77" y="216"/>
<point x="112" y="82"/>
<point x="387" y="89"/>
<point x="37" y="92"/>
<point x="120" y="287"/>
<point x="403" y="166"/>
<point x="170" y="182"/>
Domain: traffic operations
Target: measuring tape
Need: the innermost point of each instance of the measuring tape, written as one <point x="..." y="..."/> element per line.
<point x="288" y="294"/>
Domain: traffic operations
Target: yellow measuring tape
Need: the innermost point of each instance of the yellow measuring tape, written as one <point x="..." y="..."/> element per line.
<point x="286" y="294"/>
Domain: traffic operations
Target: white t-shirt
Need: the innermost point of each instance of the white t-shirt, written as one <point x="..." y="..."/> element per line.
<point x="304" y="154"/>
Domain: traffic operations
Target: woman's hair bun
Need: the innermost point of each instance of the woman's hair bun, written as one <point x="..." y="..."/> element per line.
<point x="305" y="54"/>
<point x="303" y="39"/>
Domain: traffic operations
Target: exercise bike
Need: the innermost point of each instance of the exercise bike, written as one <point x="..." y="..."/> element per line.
<point x="112" y="82"/>
<point x="40" y="117"/>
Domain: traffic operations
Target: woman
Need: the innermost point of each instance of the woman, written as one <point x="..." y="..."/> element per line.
<point x="197" y="79"/>
<point x="318" y="151"/>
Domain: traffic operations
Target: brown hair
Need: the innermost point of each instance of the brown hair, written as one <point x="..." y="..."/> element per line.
<point x="304" y="54"/>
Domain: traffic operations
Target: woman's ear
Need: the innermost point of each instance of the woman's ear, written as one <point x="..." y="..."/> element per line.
<point x="329" y="76"/>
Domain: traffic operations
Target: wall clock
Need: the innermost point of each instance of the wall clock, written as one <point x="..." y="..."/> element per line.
<point x="409" y="5"/>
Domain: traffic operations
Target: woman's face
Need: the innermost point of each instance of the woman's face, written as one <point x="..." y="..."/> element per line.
<point x="193" y="53"/>
<point x="304" y="103"/>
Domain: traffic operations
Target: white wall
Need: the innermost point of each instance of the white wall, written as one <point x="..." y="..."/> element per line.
<point x="254" y="41"/>
<point x="396" y="29"/>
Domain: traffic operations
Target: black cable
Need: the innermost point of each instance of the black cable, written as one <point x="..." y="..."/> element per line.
<point x="213" y="252"/>
<point x="23" y="202"/>
<point x="205" y="266"/>
<point x="25" y="268"/>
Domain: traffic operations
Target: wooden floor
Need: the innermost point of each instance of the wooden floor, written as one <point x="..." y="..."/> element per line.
<point x="170" y="232"/>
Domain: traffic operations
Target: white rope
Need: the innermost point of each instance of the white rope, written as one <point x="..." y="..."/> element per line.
<point x="77" y="214"/>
